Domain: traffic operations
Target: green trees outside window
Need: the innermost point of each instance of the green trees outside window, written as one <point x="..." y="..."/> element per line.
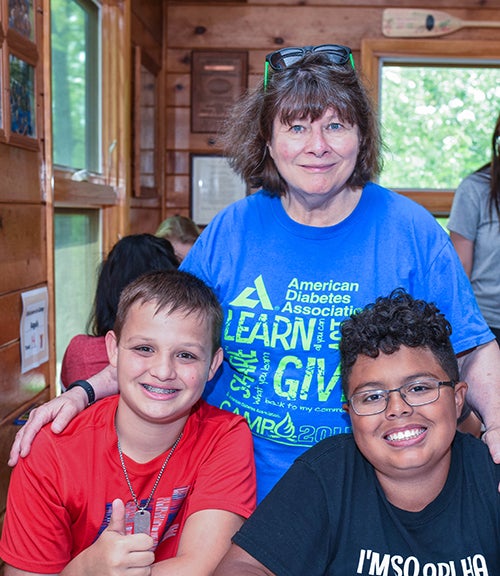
<point x="75" y="84"/>
<point x="436" y="122"/>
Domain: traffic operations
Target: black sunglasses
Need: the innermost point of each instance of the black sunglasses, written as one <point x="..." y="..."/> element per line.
<point x="281" y="59"/>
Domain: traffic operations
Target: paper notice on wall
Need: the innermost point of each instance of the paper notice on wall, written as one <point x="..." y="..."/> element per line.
<point x="34" y="329"/>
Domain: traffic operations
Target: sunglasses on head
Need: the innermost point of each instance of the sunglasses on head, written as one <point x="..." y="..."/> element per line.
<point x="281" y="59"/>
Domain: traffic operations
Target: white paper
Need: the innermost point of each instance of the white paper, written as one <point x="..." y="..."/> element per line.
<point x="34" y="329"/>
<point x="215" y="185"/>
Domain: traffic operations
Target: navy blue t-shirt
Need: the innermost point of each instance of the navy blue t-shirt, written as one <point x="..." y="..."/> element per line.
<point x="328" y="516"/>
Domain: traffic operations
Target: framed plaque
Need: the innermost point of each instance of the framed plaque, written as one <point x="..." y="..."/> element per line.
<point x="218" y="79"/>
<point x="214" y="185"/>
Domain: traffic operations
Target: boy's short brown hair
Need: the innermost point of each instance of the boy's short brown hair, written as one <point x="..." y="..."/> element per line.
<point x="173" y="291"/>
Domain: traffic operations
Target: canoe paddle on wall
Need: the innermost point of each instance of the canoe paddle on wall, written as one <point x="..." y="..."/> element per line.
<point x="410" y="23"/>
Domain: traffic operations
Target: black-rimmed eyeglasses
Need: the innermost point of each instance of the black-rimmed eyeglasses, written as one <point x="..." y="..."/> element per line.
<point x="416" y="393"/>
<point x="281" y="59"/>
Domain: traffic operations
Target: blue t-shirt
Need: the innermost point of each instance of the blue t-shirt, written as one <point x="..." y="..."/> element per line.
<point x="285" y="289"/>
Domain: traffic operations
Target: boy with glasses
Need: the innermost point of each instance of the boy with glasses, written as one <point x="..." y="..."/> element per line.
<point x="405" y="494"/>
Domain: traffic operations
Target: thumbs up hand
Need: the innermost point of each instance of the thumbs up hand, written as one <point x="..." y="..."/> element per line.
<point x="115" y="553"/>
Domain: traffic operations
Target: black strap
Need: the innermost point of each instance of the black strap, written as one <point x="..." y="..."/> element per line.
<point x="87" y="386"/>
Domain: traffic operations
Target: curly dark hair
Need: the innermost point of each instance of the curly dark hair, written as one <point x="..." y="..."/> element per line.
<point x="395" y="321"/>
<point x="306" y="89"/>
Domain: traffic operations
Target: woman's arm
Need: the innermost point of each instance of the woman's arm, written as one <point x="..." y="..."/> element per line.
<point x="480" y="368"/>
<point x="465" y="251"/>
<point x="60" y="411"/>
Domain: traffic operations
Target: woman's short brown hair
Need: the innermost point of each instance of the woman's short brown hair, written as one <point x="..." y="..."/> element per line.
<point x="304" y="90"/>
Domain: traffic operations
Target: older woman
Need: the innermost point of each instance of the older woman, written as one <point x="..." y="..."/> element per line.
<point x="318" y="241"/>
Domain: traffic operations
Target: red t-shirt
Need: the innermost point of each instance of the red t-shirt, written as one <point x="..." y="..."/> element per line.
<point x="84" y="357"/>
<point x="60" y="496"/>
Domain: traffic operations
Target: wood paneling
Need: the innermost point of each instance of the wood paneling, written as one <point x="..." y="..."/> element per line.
<point x="177" y="162"/>
<point x="10" y="313"/>
<point x="144" y="220"/>
<point x="178" y="191"/>
<point x="180" y="137"/>
<point x="267" y="27"/>
<point x="22" y="246"/>
<point x="150" y="14"/>
<point x="17" y="388"/>
<point x="20" y="175"/>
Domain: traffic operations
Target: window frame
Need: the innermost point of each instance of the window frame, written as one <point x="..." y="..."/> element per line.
<point x="106" y="190"/>
<point x="374" y="51"/>
<point x="142" y="60"/>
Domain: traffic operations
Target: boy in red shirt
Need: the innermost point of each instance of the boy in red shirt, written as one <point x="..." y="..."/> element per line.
<point x="150" y="481"/>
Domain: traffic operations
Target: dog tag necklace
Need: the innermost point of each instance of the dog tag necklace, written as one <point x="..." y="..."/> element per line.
<point x="142" y="518"/>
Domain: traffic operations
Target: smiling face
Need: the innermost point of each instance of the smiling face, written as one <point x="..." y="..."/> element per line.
<point x="405" y="442"/>
<point x="163" y="361"/>
<point x="315" y="158"/>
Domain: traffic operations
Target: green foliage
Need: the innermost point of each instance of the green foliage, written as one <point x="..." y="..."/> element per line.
<point x="437" y="123"/>
<point x="72" y="41"/>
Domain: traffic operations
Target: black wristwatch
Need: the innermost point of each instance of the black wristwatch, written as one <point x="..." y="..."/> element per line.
<point x="87" y="386"/>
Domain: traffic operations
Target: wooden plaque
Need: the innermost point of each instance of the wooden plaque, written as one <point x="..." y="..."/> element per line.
<point x="218" y="79"/>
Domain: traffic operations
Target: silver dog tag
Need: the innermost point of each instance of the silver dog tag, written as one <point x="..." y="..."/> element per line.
<point x="142" y="522"/>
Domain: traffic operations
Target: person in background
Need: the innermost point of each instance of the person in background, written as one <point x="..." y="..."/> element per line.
<point x="474" y="226"/>
<point x="150" y="481"/>
<point x="130" y="257"/>
<point x="317" y="241"/>
<point x="181" y="232"/>
<point x="405" y="493"/>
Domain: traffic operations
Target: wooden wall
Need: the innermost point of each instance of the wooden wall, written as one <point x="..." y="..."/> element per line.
<point x="25" y="230"/>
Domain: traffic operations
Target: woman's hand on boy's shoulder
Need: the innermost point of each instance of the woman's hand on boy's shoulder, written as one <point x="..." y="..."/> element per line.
<point x="60" y="411"/>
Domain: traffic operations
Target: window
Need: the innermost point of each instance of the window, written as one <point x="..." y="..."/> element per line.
<point x="77" y="255"/>
<point x="437" y="120"/>
<point x="91" y="135"/>
<point x="445" y="97"/>
<point x="75" y="82"/>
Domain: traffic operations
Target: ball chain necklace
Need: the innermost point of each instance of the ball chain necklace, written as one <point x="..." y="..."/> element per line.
<point x="142" y="518"/>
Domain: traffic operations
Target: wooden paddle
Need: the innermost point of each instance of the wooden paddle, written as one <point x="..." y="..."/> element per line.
<point x="410" y="23"/>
